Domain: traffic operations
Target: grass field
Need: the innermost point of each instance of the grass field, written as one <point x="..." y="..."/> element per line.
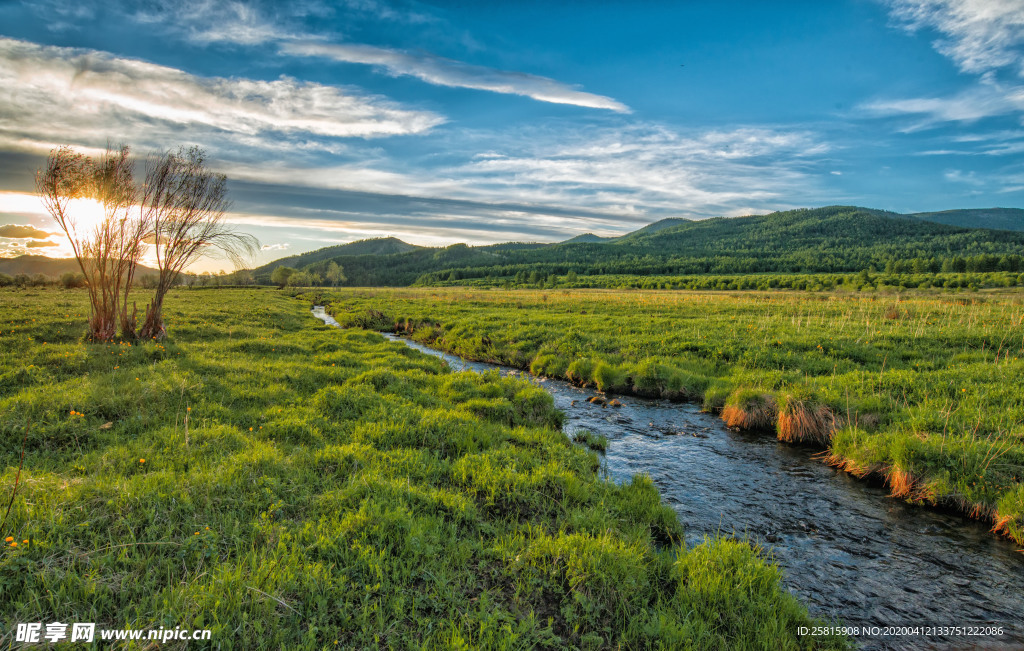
<point x="921" y="390"/>
<point x="289" y="485"/>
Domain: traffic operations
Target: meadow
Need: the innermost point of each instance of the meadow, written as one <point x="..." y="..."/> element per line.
<point x="919" y="390"/>
<point x="290" y="485"/>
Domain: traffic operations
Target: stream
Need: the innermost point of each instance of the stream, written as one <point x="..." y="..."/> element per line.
<point x="848" y="551"/>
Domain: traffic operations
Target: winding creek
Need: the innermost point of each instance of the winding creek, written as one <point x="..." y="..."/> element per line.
<point x="848" y="551"/>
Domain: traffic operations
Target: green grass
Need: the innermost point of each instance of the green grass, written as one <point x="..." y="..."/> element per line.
<point x="596" y="442"/>
<point x="289" y="485"/>
<point x="923" y="390"/>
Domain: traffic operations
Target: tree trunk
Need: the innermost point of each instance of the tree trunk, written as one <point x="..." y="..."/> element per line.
<point x="102" y="320"/>
<point x="153" y="326"/>
<point x="128" y="321"/>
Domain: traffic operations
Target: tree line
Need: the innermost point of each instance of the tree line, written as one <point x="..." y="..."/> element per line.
<point x="820" y="241"/>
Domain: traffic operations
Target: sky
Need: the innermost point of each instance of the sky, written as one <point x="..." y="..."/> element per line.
<point x="532" y="121"/>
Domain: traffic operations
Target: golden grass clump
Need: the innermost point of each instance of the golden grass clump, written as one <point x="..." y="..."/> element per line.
<point x="1000" y="522"/>
<point x="747" y="409"/>
<point x="803" y="421"/>
<point x="848" y="465"/>
<point x="901" y="482"/>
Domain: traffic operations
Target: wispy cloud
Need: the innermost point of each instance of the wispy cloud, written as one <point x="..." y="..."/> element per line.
<point x="550" y="185"/>
<point x="64" y="15"/>
<point x="68" y="95"/>
<point x="981" y="37"/>
<point x="440" y="71"/>
<point x="243" y="22"/>
<point x="206" y="22"/>
<point x="255" y="22"/>
<point x="647" y="169"/>
<point x="275" y="247"/>
<point x="999" y="181"/>
<point x="240" y="25"/>
<point x="978" y="35"/>
<point x="986" y="99"/>
<point x="959" y="176"/>
<point x="1003" y="142"/>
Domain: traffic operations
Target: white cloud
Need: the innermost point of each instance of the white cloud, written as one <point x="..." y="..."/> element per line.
<point x="989" y="98"/>
<point x="232" y="22"/>
<point x="85" y="96"/>
<point x="217" y="21"/>
<point x="1006" y="149"/>
<point x="981" y="37"/>
<point x="959" y="176"/>
<point x="604" y="178"/>
<point x="440" y="71"/>
<point x="213" y="21"/>
<point x="255" y="23"/>
<point x="275" y="247"/>
<point x="652" y="170"/>
<point x="978" y="35"/>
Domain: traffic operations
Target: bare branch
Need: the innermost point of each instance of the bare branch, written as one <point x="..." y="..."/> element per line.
<point x="185" y="202"/>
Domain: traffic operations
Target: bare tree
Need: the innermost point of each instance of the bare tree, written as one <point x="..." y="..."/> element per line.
<point x="185" y="202"/>
<point x="109" y="251"/>
<point x="121" y="233"/>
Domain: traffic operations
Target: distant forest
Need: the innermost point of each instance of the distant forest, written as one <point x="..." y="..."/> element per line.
<point x="832" y="240"/>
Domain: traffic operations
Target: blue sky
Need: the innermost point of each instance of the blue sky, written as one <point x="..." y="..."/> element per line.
<point x="485" y="122"/>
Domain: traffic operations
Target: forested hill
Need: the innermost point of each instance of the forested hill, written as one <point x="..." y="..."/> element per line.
<point x="832" y="239"/>
<point x="377" y="247"/>
<point x="588" y="237"/>
<point x="1007" y="219"/>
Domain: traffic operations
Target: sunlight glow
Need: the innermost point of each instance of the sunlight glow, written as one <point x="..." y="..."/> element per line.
<point x="86" y="214"/>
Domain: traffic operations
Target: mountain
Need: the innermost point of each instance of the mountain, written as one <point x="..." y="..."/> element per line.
<point x="650" y="229"/>
<point x="587" y="237"/>
<point x="823" y="240"/>
<point x="55" y="267"/>
<point x="377" y="246"/>
<point x="1006" y="219"/>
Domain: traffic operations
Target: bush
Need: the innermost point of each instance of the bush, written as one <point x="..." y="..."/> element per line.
<point x="72" y="280"/>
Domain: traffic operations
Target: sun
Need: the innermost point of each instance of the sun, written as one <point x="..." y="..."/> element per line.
<point x="86" y="215"/>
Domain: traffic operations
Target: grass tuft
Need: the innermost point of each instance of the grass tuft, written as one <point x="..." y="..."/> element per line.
<point x="750" y="409"/>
